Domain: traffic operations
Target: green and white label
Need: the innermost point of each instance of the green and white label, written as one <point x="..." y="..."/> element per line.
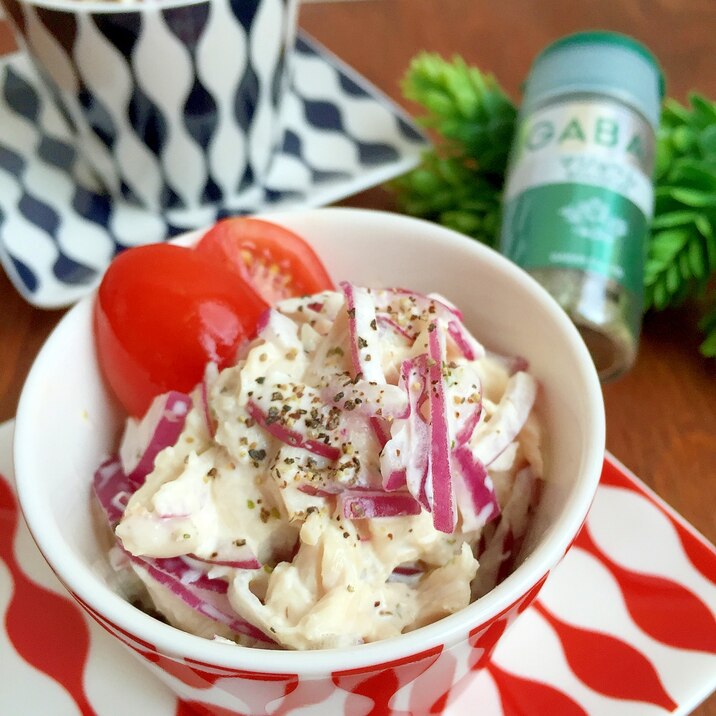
<point x="579" y="193"/>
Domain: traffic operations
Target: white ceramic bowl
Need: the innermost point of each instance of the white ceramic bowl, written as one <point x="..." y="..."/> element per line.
<point x="67" y="423"/>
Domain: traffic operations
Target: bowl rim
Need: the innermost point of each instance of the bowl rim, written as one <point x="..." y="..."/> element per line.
<point x="84" y="583"/>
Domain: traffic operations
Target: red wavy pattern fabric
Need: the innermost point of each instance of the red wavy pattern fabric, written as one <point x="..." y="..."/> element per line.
<point x="662" y="607"/>
<point x="46" y="630"/>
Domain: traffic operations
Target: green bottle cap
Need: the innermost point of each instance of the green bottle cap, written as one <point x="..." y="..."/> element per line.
<point x="597" y="62"/>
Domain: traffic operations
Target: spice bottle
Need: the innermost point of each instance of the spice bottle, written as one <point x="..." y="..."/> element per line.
<point x="579" y="195"/>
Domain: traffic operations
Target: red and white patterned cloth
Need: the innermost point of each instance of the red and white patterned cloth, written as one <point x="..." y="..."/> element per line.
<point x="625" y="626"/>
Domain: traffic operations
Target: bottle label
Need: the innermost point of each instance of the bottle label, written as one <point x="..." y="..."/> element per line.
<point x="579" y="193"/>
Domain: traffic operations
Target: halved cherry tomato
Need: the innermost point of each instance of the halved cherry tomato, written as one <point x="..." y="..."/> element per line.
<point x="162" y="313"/>
<point x="275" y="261"/>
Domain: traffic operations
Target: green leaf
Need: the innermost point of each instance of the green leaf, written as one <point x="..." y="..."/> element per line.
<point x="660" y="297"/>
<point x="708" y="347"/>
<point x="673" y="279"/>
<point x="665" y="155"/>
<point x="707" y="141"/>
<point x="693" y="197"/>
<point x="674" y="218"/>
<point x="696" y="262"/>
<point x="459" y="182"/>
<point x="703" y="225"/>
<point x="683" y="138"/>
<point x="708" y="325"/>
<point x="667" y="243"/>
<point x="703" y="110"/>
<point x="710" y="240"/>
<point x="674" y="113"/>
<point x="683" y="269"/>
<point x="681" y="254"/>
<point x="463" y="221"/>
<point x="694" y="173"/>
<point x="470" y="111"/>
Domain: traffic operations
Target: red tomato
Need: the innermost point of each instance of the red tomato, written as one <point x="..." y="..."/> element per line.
<point x="275" y="261"/>
<point x="162" y="313"/>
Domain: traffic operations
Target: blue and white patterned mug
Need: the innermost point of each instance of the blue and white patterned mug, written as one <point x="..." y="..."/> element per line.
<point x="174" y="104"/>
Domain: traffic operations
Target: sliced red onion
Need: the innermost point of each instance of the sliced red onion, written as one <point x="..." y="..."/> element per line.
<point x="394" y="327"/>
<point x="290" y="436"/>
<point x="363" y="397"/>
<point x="449" y="305"/>
<point x="483" y="506"/>
<point x="365" y="344"/>
<point x="474" y="489"/>
<point x="212" y="605"/>
<point x="466" y="397"/>
<point x="235" y="557"/>
<point x="407" y="575"/>
<point x="325" y="491"/>
<point x="234" y="564"/>
<point x="372" y="504"/>
<point x="523" y="500"/>
<point x="501" y="549"/>
<point x="363" y="329"/>
<point x="112" y="489"/>
<point x="380" y="429"/>
<point x="192" y="586"/>
<point x="187" y="574"/>
<point x="408" y="569"/>
<point x="160" y="427"/>
<point x="508" y="419"/>
<point x="335" y="488"/>
<point x="515" y="537"/>
<point x="432" y="305"/>
<point x="440" y="472"/>
<point x="435" y="306"/>
<point x="396" y="481"/>
<point x="404" y="459"/>
<point x="113" y="492"/>
<point x="425" y="495"/>
<point x="467" y="427"/>
<point x="467" y="344"/>
<point x="297" y="304"/>
<point x="444" y="308"/>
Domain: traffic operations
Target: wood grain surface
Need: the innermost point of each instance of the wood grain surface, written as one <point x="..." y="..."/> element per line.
<point x="661" y="417"/>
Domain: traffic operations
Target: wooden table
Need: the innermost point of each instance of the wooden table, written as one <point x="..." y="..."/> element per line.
<point x="661" y="417"/>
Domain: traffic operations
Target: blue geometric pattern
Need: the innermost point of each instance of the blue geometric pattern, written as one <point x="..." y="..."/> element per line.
<point x="58" y="230"/>
<point x="200" y="111"/>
